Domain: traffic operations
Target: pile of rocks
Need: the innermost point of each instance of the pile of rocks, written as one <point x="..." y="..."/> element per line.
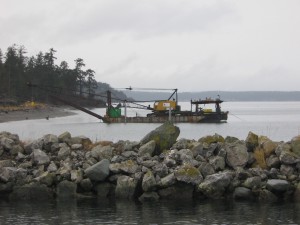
<point x="157" y="167"/>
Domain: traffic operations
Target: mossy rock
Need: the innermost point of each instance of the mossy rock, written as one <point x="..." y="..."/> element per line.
<point x="251" y="141"/>
<point x="212" y="139"/>
<point x="188" y="174"/>
<point x="164" y="136"/>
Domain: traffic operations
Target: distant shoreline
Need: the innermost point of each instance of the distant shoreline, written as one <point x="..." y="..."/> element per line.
<point x="32" y="114"/>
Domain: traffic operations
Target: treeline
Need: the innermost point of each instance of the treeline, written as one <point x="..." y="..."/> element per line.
<point x="17" y="69"/>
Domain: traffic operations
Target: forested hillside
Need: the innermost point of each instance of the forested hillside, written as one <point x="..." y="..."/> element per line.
<point x="17" y="68"/>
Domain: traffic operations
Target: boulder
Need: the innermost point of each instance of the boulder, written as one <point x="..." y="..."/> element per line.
<point x="49" y="140"/>
<point x="278" y="186"/>
<point x="215" y="185"/>
<point x="164" y="136"/>
<point x="188" y="174"/>
<point x="104" y="189"/>
<point x="126" y="187"/>
<point x="236" y="154"/>
<point x="36" y="144"/>
<point x="212" y="139"/>
<point x="63" y="153"/>
<point x="273" y="161"/>
<point x="66" y="189"/>
<point x="98" y="171"/>
<point x="295" y="143"/>
<point x="148" y="182"/>
<point x="86" y="185"/>
<point x="14" y="174"/>
<point x="206" y="169"/>
<point x="100" y="152"/>
<point x="253" y="182"/>
<point x="217" y="162"/>
<point x="64" y="137"/>
<point x="128" y="166"/>
<point x="46" y="178"/>
<point x="242" y="193"/>
<point x="40" y="157"/>
<point x="177" y="192"/>
<point x="288" y="157"/>
<point x="251" y="141"/>
<point x="32" y="192"/>
<point x="7" y="143"/>
<point x="167" y="181"/>
<point x="147" y="149"/>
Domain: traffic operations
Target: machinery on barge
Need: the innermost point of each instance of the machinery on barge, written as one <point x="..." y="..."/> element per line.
<point x="164" y="110"/>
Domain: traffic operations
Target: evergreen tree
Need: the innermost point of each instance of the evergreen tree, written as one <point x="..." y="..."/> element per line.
<point x="91" y="83"/>
<point x="80" y="74"/>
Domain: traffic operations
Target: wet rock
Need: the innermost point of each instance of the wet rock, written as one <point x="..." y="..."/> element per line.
<point x="178" y="191"/>
<point x="76" y="176"/>
<point x="253" y="182"/>
<point x="164" y="136"/>
<point x="149" y="197"/>
<point x="278" y="186"/>
<point x="104" y="189"/>
<point x="242" y="193"/>
<point x="126" y="187"/>
<point x="66" y="189"/>
<point x="98" y="171"/>
<point x="167" y="181"/>
<point x="86" y="185"/>
<point x="237" y="155"/>
<point x="266" y="196"/>
<point x="32" y="191"/>
<point x="46" y="178"/>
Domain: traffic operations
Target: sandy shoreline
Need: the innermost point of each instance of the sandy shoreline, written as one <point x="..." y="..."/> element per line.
<point x="30" y="114"/>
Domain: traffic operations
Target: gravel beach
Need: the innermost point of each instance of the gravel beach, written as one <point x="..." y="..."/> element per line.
<point x="30" y="114"/>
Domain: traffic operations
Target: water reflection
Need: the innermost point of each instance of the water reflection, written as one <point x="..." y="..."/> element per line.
<point x="92" y="211"/>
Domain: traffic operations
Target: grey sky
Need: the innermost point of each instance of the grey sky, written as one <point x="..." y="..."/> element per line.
<point x="192" y="45"/>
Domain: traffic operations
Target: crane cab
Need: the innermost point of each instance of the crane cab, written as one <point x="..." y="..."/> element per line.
<point x="164" y="105"/>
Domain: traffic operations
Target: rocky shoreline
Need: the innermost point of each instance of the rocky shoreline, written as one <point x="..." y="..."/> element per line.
<point x="157" y="167"/>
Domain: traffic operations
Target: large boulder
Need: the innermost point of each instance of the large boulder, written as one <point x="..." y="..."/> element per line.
<point x="242" y="193"/>
<point x="149" y="182"/>
<point x="164" y="136"/>
<point x="98" y="171"/>
<point x="32" y="191"/>
<point x="236" y="154"/>
<point x="215" y="185"/>
<point x="212" y="139"/>
<point x="128" y="166"/>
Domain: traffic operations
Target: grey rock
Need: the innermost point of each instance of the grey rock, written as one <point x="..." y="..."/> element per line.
<point x="7" y="143"/>
<point x="98" y="171"/>
<point x="40" y="157"/>
<point x="147" y="149"/>
<point x="242" y="193"/>
<point x="64" y="137"/>
<point x="237" y="155"/>
<point x="8" y="174"/>
<point x="63" y="153"/>
<point x="32" y="191"/>
<point x="182" y="143"/>
<point x="217" y="162"/>
<point x="100" y="152"/>
<point x="128" y="166"/>
<point x="16" y="149"/>
<point x="148" y="182"/>
<point x="215" y="185"/>
<point x="278" y="186"/>
<point x="295" y="145"/>
<point x="49" y="139"/>
<point x="167" y="181"/>
<point x="46" y="178"/>
<point x="206" y="169"/>
<point x="273" y="161"/>
<point x="177" y="192"/>
<point x="253" y="182"/>
<point x="76" y="176"/>
<point x="288" y="157"/>
<point x="286" y="170"/>
<point x="160" y="169"/>
<point x="76" y="146"/>
<point x="52" y="167"/>
<point x="6" y="163"/>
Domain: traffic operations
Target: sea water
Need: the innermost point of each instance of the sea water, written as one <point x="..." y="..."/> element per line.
<point x="277" y="120"/>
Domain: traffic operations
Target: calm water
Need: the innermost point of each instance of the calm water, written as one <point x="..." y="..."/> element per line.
<point x="277" y="120"/>
<point x="99" y="212"/>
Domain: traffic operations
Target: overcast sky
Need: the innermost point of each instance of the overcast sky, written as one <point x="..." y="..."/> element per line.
<point x="192" y="45"/>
